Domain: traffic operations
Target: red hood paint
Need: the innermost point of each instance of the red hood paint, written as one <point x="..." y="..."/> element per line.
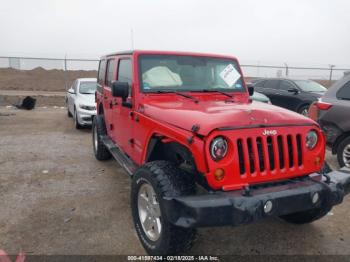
<point x="218" y="113"/>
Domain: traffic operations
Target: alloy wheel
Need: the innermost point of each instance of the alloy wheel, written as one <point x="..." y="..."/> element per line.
<point x="346" y="155"/>
<point x="149" y="212"/>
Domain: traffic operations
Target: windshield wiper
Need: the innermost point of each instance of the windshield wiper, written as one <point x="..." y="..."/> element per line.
<point x="178" y="93"/>
<point x="86" y="93"/>
<point x="214" y="91"/>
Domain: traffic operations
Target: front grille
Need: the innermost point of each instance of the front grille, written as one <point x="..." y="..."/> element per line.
<point x="259" y="155"/>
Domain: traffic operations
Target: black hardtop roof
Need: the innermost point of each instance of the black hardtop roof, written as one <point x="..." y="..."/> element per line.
<point x="126" y="52"/>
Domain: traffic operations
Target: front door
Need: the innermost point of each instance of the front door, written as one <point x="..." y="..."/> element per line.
<point x="123" y="119"/>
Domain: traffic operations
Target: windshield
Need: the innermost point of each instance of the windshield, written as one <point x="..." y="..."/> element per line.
<point x="189" y="73"/>
<point x="310" y="86"/>
<point x="87" y="87"/>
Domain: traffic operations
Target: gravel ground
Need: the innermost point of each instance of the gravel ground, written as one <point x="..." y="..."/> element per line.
<point x="57" y="199"/>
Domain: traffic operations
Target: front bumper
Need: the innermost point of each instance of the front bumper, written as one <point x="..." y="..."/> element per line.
<point x="85" y="116"/>
<point x="244" y="207"/>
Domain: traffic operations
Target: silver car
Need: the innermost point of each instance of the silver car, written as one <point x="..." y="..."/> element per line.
<point x="80" y="101"/>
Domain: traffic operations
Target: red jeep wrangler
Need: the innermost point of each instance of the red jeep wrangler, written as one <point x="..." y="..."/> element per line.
<point x="201" y="153"/>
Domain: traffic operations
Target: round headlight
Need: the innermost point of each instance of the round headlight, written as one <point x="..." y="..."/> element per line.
<point x="311" y="139"/>
<point x="218" y="148"/>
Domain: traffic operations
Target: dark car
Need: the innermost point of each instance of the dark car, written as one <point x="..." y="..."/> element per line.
<point x="333" y="114"/>
<point x="295" y="95"/>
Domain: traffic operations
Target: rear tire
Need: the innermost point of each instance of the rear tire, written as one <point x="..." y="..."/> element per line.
<point x="157" y="235"/>
<point x="343" y="153"/>
<point x="98" y="130"/>
<point x="307" y="216"/>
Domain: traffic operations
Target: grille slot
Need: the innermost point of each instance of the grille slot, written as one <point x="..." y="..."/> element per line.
<point x="266" y="154"/>
<point x="270" y="150"/>
<point x="290" y="151"/>
<point x="300" y="151"/>
<point x="260" y="154"/>
<point x="280" y="151"/>
<point x="240" y="156"/>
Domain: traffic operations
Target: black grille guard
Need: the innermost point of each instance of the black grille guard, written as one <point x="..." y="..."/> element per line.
<point x="238" y="208"/>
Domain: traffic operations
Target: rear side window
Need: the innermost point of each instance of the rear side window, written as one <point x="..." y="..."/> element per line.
<point x="344" y="92"/>
<point x="125" y="71"/>
<point x="271" y="84"/>
<point x="101" y="72"/>
<point x="110" y="71"/>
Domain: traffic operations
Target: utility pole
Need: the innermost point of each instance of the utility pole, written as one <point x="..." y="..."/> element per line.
<point x="331" y="72"/>
<point x="287" y="69"/>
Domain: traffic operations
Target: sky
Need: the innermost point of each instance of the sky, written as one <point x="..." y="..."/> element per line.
<point x="298" y="32"/>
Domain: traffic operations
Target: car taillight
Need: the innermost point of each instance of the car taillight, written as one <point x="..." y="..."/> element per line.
<point x="316" y="107"/>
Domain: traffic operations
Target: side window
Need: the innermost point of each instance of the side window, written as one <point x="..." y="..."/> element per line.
<point x="125" y="71"/>
<point x="286" y="85"/>
<point x="101" y="72"/>
<point x="271" y="84"/>
<point x="344" y="92"/>
<point x="110" y="70"/>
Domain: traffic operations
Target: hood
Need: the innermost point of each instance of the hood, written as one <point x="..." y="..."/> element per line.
<point x="210" y="115"/>
<point x="88" y="100"/>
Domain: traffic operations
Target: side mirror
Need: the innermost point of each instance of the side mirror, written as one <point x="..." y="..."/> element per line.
<point x="71" y="91"/>
<point x="250" y="89"/>
<point x="120" y="89"/>
<point x="293" y="90"/>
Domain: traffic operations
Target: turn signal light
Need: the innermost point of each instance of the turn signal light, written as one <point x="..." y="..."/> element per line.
<point x="219" y="174"/>
<point x="318" y="161"/>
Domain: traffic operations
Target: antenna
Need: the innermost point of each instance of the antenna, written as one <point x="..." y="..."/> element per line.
<point x="132" y="38"/>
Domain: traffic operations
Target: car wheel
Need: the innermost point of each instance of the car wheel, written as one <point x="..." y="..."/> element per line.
<point x="150" y="184"/>
<point x="76" y="120"/>
<point x="304" y="110"/>
<point x="98" y="130"/>
<point x="343" y="153"/>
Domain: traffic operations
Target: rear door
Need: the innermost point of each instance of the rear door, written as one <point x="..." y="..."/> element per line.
<point x="109" y="100"/>
<point x="342" y="108"/>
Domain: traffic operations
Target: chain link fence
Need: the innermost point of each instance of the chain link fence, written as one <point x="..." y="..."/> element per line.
<point x="60" y="72"/>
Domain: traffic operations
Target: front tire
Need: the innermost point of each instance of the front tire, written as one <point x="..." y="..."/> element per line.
<point x="343" y="153"/>
<point x="98" y="130"/>
<point x="69" y="114"/>
<point x="304" y="110"/>
<point x="150" y="184"/>
<point x="76" y="120"/>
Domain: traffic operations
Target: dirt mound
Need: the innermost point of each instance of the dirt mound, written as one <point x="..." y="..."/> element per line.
<point x="40" y="79"/>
